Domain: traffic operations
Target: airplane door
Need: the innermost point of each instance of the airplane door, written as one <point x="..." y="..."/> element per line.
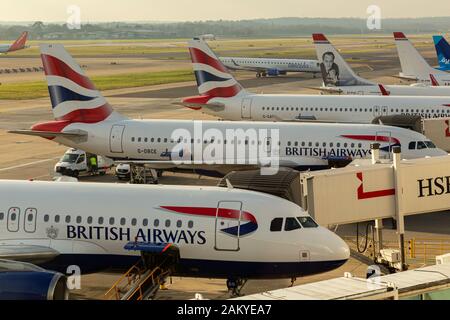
<point x="30" y="220"/>
<point x="246" y="108"/>
<point x="115" y="138"/>
<point x="227" y="225"/>
<point x="13" y="219"/>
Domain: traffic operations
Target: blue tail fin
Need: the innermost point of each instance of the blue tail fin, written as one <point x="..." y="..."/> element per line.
<point x="443" y="52"/>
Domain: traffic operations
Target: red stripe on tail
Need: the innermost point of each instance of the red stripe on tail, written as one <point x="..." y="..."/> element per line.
<point x="199" y="56"/>
<point x="88" y="115"/>
<point x="55" y="67"/>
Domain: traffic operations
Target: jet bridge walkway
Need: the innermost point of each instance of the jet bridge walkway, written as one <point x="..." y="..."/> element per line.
<point x="143" y="279"/>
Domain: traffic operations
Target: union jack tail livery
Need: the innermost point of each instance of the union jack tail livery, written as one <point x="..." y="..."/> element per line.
<point x="73" y="96"/>
<point x="19" y="43"/>
<point x="213" y="78"/>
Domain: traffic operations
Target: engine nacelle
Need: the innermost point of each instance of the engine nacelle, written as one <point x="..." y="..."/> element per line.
<point x="26" y="281"/>
<point x="33" y="285"/>
<point x="273" y="72"/>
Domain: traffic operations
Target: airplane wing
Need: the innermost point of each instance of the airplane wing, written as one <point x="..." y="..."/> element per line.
<point x="49" y="134"/>
<point x="405" y="78"/>
<point x="213" y="106"/>
<point x="326" y="89"/>
<point x="27" y="253"/>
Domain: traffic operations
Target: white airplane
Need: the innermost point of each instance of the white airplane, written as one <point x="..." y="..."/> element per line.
<point x="221" y="95"/>
<point x="414" y="66"/>
<point x="217" y="233"/>
<point x="84" y="120"/>
<point x="17" y="45"/>
<point x="339" y="78"/>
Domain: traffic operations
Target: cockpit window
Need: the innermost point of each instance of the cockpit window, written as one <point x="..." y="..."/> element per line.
<point x="307" y="222"/>
<point x="276" y="224"/>
<point x="421" y="145"/>
<point x="430" y="144"/>
<point x="412" y="145"/>
<point x="291" y="224"/>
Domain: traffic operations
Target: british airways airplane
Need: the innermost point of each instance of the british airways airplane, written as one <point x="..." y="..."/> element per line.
<point x="221" y="95"/>
<point x="414" y="66"/>
<point x="84" y="120"/>
<point x="443" y="52"/>
<point x="218" y="233"/>
<point x="339" y="78"/>
<point x="17" y="45"/>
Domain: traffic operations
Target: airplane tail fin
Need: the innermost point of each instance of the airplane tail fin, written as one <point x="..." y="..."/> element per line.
<point x="443" y="52"/>
<point x="213" y="78"/>
<point x="412" y="63"/>
<point x="73" y="96"/>
<point x="335" y="71"/>
<point x="20" y="42"/>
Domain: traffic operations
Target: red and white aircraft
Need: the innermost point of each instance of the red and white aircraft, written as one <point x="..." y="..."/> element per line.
<point x="221" y="95"/>
<point x="339" y="78"/>
<point x="414" y="66"/>
<point x="218" y="232"/>
<point x="17" y="45"/>
<point x="84" y="120"/>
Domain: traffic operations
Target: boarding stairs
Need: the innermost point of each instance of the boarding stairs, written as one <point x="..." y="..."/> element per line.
<point x="143" y="280"/>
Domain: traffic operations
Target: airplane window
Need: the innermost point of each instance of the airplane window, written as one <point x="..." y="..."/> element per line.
<point x="291" y="224"/>
<point x="276" y="224"/>
<point x="352" y="145"/>
<point x="412" y="145"/>
<point x="13" y="216"/>
<point x="321" y="109"/>
<point x="421" y="145"/>
<point x="338" y="144"/>
<point x="430" y="144"/>
<point x="345" y="109"/>
<point x="331" y="144"/>
<point x="57" y="218"/>
<point x="78" y="219"/>
<point x="301" y="109"/>
<point x="307" y="222"/>
<point x="246" y="141"/>
<point x="317" y="144"/>
<point x="432" y="110"/>
<point x="122" y="221"/>
<point x="350" y="109"/>
<point x="282" y="109"/>
<point x="139" y="139"/>
<point x="145" y="222"/>
<point x="288" y="143"/>
<point x="111" y="220"/>
<point x="296" y="143"/>
<point x="100" y="220"/>
<point x="190" y="224"/>
<point x="309" y="144"/>
<point x="340" y="109"/>
<point x="89" y="220"/>
<point x="345" y="145"/>
<point x="179" y="224"/>
<point x="152" y="139"/>
<point x="132" y="139"/>
<point x="156" y="223"/>
<point x="273" y="108"/>
<point x="359" y="145"/>
<point x="303" y="143"/>
<point x="2" y="215"/>
<point x="324" y="144"/>
<point x="263" y="108"/>
<point x="159" y="140"/>
<point x="167" y="224"/>
<point x="165" y="140"/>
<point x="46" y="218"/>
<point x="67" y="219"/>
<point x="133" y="222"/>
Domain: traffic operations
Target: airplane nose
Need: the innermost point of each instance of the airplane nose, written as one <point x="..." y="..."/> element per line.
<point x="338" y="249"/>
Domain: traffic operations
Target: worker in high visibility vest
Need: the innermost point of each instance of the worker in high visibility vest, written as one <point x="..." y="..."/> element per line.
<point x="93" y="163"/>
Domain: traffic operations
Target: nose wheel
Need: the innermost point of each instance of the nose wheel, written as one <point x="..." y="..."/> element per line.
<point x="235" y="286"/>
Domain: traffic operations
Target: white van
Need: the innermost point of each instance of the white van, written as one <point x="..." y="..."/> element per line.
<point x="75" y="162"/>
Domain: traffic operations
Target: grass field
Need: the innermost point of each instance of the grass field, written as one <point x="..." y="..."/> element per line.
<point x="38" y="89"/>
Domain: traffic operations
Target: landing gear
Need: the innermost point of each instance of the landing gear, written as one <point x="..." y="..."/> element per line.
<point x="293" y="279"/>
<point x="258" y="75"/>
<point x="139" y="174"/>
<point x="235" y="286"/>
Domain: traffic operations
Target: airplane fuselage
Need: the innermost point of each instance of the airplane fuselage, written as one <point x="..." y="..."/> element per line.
<point x="393" y="90"/>
<point x="219" y="232"/>
<point x="282" y="65"/>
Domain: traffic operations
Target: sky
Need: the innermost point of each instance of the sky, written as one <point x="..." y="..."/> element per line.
<point x="195" y="10"/>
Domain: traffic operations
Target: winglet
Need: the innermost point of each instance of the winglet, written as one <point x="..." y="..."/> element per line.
<point x="319" y="37"/>
<point x="434" y="82"/>
<point x="400" y="36"/>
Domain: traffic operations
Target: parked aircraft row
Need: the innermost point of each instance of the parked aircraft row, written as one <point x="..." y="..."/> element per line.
<point x="219" y="232"/>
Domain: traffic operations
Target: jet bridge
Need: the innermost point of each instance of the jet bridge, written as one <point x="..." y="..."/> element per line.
<point x="373" y="190"/>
